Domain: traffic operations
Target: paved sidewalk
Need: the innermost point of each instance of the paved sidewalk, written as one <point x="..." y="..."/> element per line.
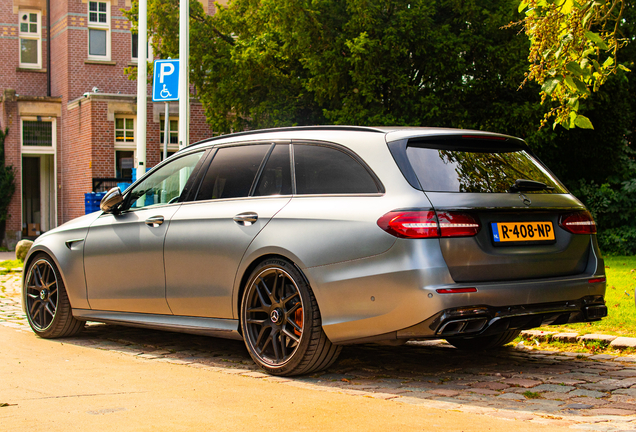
<point x="4" y="256"/>
<point x="580" y="391"/>
<point x="49" y="385"/>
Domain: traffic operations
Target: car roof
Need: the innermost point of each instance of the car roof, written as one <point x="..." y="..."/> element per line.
<point x="392" y="133"/>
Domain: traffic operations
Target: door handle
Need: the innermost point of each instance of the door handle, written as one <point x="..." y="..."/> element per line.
<point x="246" y="219"/>
<point x="154" y="221"/>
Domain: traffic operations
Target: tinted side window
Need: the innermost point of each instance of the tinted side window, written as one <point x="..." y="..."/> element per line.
<point x="325" y="170"/>
<point x="164" y="185"/>
<point x="232" y="172"/>
<point x="276" y="176"/>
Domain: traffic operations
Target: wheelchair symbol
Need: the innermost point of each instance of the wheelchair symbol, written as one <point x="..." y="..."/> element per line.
<point x="164" y="92"/>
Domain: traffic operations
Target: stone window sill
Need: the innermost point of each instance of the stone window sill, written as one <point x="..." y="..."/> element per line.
<point x="100" y="62"/>
<point x="23" y="69"/>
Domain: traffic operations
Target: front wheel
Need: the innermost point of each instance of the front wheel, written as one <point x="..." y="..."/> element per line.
<point x="281" y="322"/>
<point x="484" y="342"/>
<point x="46" y="302"/>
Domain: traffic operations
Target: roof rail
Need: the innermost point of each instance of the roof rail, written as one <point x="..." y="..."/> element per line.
<point x="293" y="128"/>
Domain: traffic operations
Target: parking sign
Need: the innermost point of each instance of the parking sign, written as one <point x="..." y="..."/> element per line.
<point x="165" y="85"/>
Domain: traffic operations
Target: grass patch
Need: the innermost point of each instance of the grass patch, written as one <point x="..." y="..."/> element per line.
<point x="531" y="395"/>
<point x="587" y="347"/>
<point x="619" y="298"/>
<point x="9" y="264"/>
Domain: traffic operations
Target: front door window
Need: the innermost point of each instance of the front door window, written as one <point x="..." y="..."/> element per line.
<point x="165" y="185"/>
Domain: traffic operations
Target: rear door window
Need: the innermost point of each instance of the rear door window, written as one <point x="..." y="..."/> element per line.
<point x="463" y="170"/>
<point x="232" y="172"/>
<point x="327" y="170"/>
<point x="276" y="176"/>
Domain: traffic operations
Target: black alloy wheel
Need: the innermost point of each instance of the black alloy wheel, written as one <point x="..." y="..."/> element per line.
<point x="281" y="322"/>
<point x="47" y="306"/>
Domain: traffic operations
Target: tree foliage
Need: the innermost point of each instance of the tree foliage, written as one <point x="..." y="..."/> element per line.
<point x="573" y="51"/>
<point x="264" y="63"/>
<point x="7" y="180"/>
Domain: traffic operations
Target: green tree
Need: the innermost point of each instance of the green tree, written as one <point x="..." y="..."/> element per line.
<point x="7" y="185"/>
<point x="573" y="51"/>
<point x="262" y="63"/>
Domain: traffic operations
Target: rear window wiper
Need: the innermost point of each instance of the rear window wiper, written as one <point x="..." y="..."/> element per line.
<point x="528" y="185"/>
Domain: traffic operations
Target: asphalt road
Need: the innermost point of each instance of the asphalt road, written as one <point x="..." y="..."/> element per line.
<point x="114" y="377"/>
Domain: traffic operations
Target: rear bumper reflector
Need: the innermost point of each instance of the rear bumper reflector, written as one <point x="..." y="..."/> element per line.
<point x="597" y="280"/>
<point x="456" y="290"/>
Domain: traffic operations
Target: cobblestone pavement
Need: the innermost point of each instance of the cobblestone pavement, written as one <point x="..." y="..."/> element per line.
<point x="583" y="392"/>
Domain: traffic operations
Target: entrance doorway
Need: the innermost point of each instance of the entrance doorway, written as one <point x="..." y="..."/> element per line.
<point x="38" y="194"/>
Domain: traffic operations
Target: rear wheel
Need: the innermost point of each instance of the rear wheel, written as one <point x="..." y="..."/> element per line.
<point x="281" y="322"/>
<point x="47" y="307"/>
<point x="484" y="342"/>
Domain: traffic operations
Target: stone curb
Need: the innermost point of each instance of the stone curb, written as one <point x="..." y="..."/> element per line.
<point x="617" y="342"/>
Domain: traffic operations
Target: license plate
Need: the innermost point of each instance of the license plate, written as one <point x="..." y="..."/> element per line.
<point x="504" y="232"/>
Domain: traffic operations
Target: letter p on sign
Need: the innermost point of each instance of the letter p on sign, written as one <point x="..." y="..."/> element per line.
<point x="165" y="85"/>
<point x="165" y="69"/>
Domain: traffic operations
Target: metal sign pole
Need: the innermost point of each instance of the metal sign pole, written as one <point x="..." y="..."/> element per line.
<point x="166" y="131"/>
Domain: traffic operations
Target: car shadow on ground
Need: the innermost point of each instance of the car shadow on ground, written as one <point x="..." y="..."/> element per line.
<point x="564" y="385"/>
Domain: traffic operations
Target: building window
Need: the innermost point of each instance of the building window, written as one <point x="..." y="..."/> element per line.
<point x="99" y="30"/>
<point x="124" y="163"/>
<point x="37" y="134"/>
<point x="173" y="143"/>
<point x="30" y="40"/>
<point x="174" y="131"/>
<point x="135" y="47"/>
<point x="125" y="130"/>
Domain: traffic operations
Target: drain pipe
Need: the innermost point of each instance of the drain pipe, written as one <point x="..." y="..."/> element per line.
<point x="48" y="47"/>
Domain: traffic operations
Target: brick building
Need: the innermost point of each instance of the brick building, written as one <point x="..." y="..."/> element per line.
<point x="72" y="120"/>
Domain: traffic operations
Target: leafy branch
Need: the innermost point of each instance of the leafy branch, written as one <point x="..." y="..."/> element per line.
<point x="573" y="51"/>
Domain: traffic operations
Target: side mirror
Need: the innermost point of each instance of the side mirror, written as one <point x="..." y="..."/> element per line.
<point x="111" y="200"/>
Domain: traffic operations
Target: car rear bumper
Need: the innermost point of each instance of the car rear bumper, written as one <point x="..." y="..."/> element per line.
<point x="487" y="320"/>
<point x="396" y="295"/>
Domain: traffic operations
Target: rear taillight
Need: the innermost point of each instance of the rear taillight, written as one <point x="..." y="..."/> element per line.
<point x="580" y="222"/>
<point x="428" y="224"/>
<point x="454" y="224"/>
<point x="410" y="224"/>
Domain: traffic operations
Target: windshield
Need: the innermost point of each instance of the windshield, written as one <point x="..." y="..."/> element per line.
<point x="442" y="170"/>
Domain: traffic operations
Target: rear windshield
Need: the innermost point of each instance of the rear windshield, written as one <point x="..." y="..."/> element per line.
<point x="444" y="170"/>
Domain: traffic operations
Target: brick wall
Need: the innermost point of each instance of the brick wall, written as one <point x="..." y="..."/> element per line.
<point x="76" y="156"/>
<point x="24" y="82"/>
<point x="85" y="136"/>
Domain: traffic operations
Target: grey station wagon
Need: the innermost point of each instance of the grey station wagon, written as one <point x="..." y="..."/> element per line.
<point x="301" y="240"/>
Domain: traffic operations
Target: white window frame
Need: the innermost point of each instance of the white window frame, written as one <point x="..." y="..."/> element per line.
<point x="171" y="146"/>
<point x="99" y="26"/>
<point x="39" y="149"/>
<point x="149" y="54"/>
<point x="42" y="150"/>
<point x="125" y="145"/>
<point x="30" y="36"/>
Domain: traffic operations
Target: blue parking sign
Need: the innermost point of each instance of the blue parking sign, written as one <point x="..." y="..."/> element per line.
<point x="165" y="85"/>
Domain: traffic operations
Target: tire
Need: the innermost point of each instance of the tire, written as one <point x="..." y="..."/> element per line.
<point x="484" y="342"/>
<point x="46" y="302"/>
<point x="281" y="322"/>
